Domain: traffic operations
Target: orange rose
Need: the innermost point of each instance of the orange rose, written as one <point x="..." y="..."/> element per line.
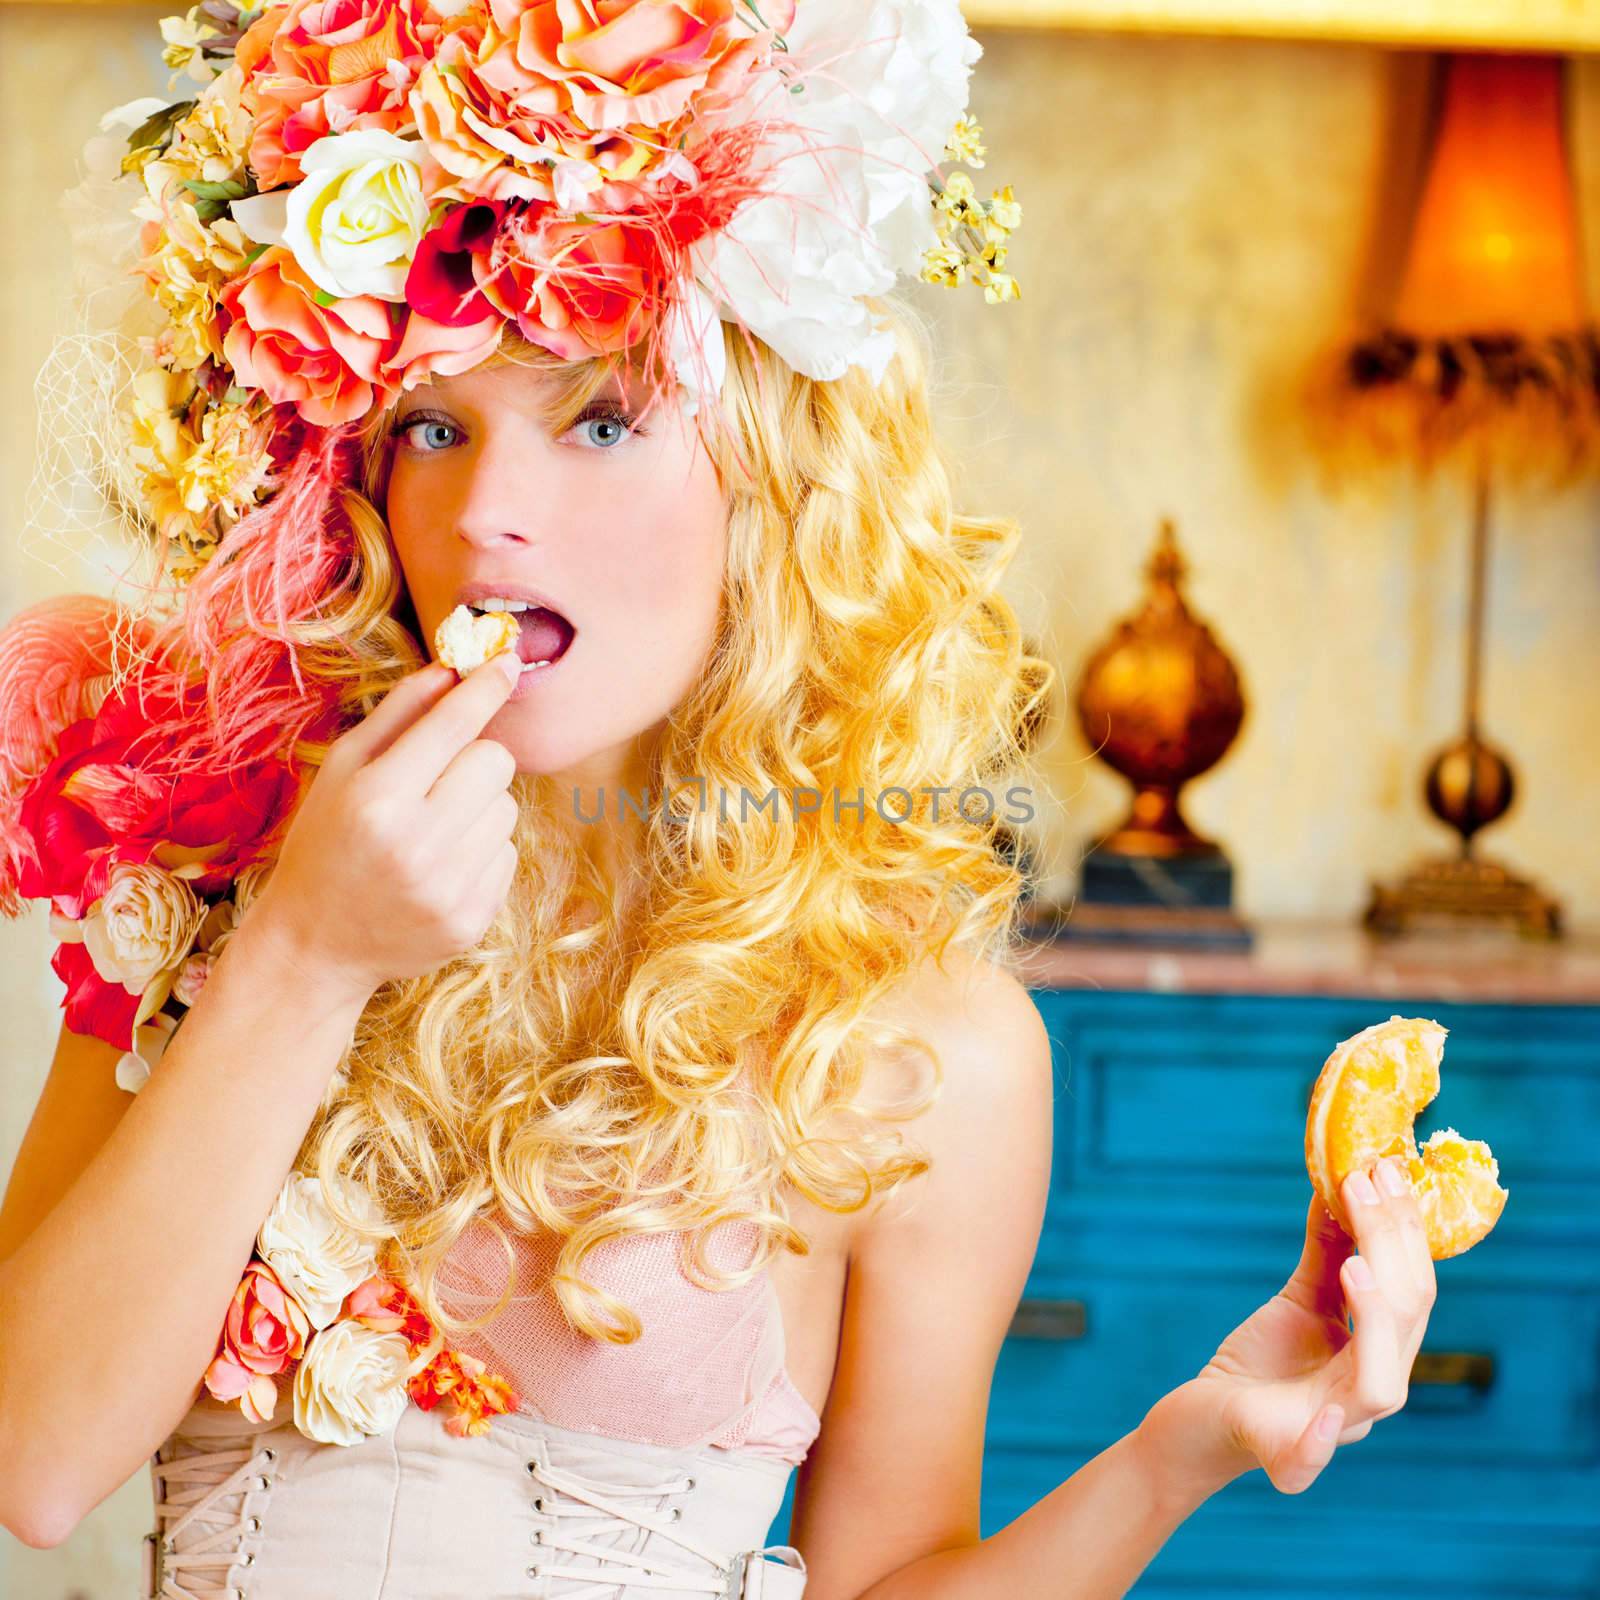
<point x="620" y="62"/>
<point x="266" y="1330"/>
<point x="326" y="66"/>
<point x="578" y="289"/>
<point x="323" y="359"/>
<point x="427" y="347"/>
<point x="573" y="100"/>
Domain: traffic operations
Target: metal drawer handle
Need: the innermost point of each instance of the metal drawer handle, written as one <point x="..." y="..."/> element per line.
<point x="1049" y="1319"/>
<point x="1449" y="1367"/>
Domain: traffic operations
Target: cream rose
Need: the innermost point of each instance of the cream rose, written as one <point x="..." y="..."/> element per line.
<point x="250" y="883"/>
<point x="316" y="1258"/>
<point x="222" y="920"/>
<point x="142" y="926"/>
<point x="353" y="221"/>
<point x="351" y="1383"/>
<point x="150" y="1039"/>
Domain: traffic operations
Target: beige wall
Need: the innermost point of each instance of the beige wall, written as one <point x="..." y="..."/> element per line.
<point x="1195" y="216"/>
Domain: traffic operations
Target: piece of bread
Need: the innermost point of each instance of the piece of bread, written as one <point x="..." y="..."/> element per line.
<point x="1363" y="1107"/>
<point x="466" y="639"/>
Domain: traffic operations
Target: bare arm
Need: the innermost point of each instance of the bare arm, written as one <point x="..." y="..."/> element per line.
<point x="111" y="1305"/>
<point x="887" y="1506"/>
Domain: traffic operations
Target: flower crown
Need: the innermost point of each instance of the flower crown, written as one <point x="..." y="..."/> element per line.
<point x="366" y="192"/>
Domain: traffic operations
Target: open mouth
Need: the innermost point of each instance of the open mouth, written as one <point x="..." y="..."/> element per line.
<point x="543" y="636"/>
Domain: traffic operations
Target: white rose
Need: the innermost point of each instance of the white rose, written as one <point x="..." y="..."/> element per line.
<point x="354" y="219"/>
<point x="317" y="1259"/>
<point x="142" y="926"/>
<point x="351" y="1382"/>
<point x="250" y="883"/>
<point x="697" y="353"/>
<point x="150" y="1040"/>
<point x="846" y="161"/>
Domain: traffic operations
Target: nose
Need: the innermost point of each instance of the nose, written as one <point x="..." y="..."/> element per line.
<point x="499" y="503"/>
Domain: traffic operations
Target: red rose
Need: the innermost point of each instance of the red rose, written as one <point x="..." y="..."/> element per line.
<point x="103" y="798"/>
<point x="442" y="283"/>
<point x="91" y="1005"/>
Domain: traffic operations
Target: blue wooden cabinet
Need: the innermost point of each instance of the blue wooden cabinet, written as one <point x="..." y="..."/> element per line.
<point x="1178" y="1205"/>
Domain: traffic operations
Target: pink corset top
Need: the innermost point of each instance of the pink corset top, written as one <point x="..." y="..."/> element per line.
<point x="707" y="1369"/>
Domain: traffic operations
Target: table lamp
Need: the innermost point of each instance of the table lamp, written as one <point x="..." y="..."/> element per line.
<point x="1487" y="368"/>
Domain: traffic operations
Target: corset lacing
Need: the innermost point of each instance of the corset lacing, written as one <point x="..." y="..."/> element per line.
<point x="191" y="1496"/>
<point x="600" y="1504"/>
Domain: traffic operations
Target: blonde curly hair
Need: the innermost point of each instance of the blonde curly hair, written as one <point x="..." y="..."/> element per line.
<point x="679" y="1052"/>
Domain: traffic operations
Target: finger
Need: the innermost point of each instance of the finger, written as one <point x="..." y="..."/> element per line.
<point x="478" y="773"/>
<point x="477" y="841"/>
<point x="1377" y="1233"/>
<point x="1314" y="1283"/>
<point x="423" y="750"/>
<point x="1380" y="1381"/>
<point x="398" y="709"/>
<point x="497" y="876"/>
<point x="1311" y="1452"/>
<point x="1413" y="1232"/>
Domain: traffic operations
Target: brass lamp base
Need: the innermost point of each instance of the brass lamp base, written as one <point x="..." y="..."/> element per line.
<point x="1459" y="893"/>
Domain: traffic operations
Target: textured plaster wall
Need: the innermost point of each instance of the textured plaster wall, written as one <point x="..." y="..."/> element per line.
<point x="1196" y="220"/>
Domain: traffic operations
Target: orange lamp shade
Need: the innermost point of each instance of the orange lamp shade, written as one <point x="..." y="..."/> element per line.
<point x="1494" y="246"/>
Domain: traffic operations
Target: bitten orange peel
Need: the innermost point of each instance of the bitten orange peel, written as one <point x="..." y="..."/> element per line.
<point x="1363" y="1107"/>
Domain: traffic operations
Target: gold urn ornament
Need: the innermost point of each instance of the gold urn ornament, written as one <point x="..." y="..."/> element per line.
<point x="1160" y="702"/>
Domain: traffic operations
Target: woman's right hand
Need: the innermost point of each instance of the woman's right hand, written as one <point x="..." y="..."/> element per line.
<point x="400" y="853"/>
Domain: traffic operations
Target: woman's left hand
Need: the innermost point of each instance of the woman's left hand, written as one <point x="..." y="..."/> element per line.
<point x="1290" y="1385"/>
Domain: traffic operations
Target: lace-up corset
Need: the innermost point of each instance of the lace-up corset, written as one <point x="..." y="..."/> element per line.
<point x="652" y="1469"/>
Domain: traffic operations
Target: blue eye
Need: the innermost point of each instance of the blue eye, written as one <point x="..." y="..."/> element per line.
<point x="429" y="434"/>
<point x="606" y="428"/>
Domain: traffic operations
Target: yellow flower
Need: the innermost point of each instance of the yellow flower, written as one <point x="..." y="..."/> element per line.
<point x="964" y="143"/>
<point x="1001" y="286"/>
<point x="994" y="234"/>
<point x="944" y="264"/>
<point x="205" y="460"/>
<point x="188" y="266"/>
<point x="959" y="193"/>
<point x="209" y="142"/>
<point x="1006" y="209"/>
<point x="184" y="36"/>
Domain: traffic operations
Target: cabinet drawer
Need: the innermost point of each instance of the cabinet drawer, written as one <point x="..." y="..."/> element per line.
<point x="1310" y="1547"/>
<point x="1531" y="1400"/>
<point x="1181" y="1105"/>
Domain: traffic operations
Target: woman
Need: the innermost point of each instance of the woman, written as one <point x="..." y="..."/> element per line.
<point x="600" y="1092"/>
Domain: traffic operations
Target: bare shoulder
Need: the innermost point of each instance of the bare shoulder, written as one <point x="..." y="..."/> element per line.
<point x="989" y="1125"/>
<point x="935" y="1271"/>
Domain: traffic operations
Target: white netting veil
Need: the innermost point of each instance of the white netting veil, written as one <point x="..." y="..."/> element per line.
<point x="83" y="515"/>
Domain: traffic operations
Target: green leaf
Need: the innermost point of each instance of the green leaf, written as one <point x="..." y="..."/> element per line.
<point x="231" y="189"/>
<point x="323" y="298"/>
<point x="156" y="129"/>
<point x="234" y="395"/>
<point x="256" y="254"/>
<point x="210" y="210"/>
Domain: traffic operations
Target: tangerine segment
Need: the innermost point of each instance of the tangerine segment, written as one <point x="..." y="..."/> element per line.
<point x="1363" y="1108"/>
